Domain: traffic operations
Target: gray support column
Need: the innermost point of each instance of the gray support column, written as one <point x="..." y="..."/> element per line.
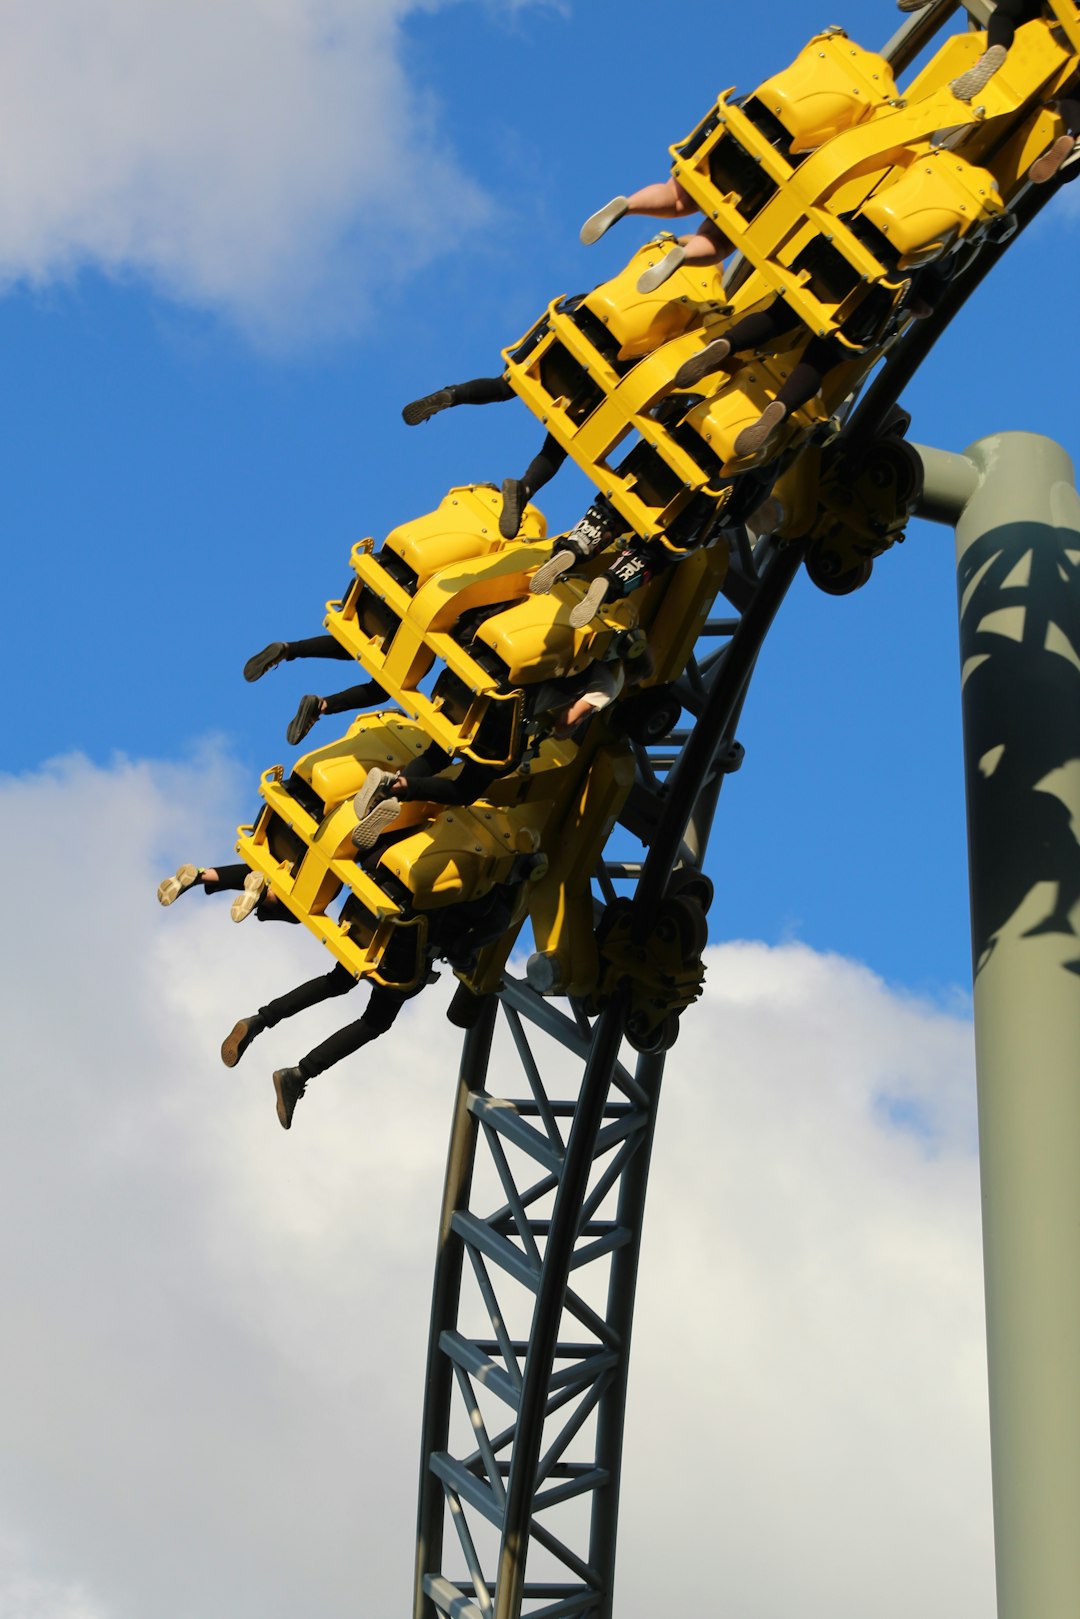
<point x="1017" y="519"/>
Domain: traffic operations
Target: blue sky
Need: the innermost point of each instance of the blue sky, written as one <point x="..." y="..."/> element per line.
<point x="187" y="466"/>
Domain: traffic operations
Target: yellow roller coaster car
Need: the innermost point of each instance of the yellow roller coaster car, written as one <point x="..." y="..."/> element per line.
<point x="561" y="806"/>
<point x="595" y="368"/>
<point x="491" y="637"/>
<point x="835" y="188"/>
<point x="565" y="800"/>
<point x="822" y="229"/>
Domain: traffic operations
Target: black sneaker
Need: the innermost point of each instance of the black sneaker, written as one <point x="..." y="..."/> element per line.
<point x="304" y="718"/>
<point x="264" y="661"/>
<point x="515" y="498"/>
<point x="419" y="410"/>
<point x="235" y="1044"/>
<point x="289" y="1087"/>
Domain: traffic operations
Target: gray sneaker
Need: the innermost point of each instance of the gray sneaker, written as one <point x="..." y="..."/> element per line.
<point x="264" y="661"/>
<point x="657" y="274"/>
<point x="603" y="219"/>
<point x="304" y="718"/>
<point x="710" y="358"/>
<point x="976" y="78"/>
<point x="420" y="410"/>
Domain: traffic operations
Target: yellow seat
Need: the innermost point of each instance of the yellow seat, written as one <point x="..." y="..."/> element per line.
<point x="832" y="85"/>
<point x="931" y="205"/>
<point x="625" y="324"/>
<point x="465" y="524"/>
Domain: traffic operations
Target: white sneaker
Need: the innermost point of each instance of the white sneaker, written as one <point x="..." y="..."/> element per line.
<point x="558" y="563"/>
<point x="590" y="604"/>
<point x="366" y="833"/>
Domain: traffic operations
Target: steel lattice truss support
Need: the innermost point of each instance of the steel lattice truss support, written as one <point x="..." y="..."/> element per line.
<point x="542" y="1216"/>
<point x="538" y="1253"/>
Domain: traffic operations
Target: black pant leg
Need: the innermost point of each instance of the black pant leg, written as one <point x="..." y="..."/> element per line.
<point x="317" y="646"/>
<point x="429" y="763"/>
<point x="382" y="1009"/>
<point x="338" y="981"/>
<point x="471" y="783"/>
<point x="543" y="467"/>
<point x="366" y="695"/>
<point x="1006" y="19"/>
<point x="482" y="391"/>
<point x="754" y="331"/>
<point x="229" y="878"/>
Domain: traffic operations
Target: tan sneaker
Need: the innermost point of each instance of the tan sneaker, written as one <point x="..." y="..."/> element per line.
<point x="366" y="833"/>
<point x="373" y="789"/>
<point x="243" y="1033"/>
<point x="173" y="887"/>
<point x="1044" y="168"/>
<point x="255" y="885"/>
<point x="757" y="435"/>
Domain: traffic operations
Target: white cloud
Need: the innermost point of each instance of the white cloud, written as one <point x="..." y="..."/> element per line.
<point x="212" y="1359"/>
<point x="261" y="158"/>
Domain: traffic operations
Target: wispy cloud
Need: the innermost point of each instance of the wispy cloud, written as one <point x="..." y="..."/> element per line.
<point x="213" y="1349"/>
<point x="259" y="158"/>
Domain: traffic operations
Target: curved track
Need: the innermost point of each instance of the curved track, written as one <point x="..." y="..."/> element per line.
<point x="549" y="1154"/>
